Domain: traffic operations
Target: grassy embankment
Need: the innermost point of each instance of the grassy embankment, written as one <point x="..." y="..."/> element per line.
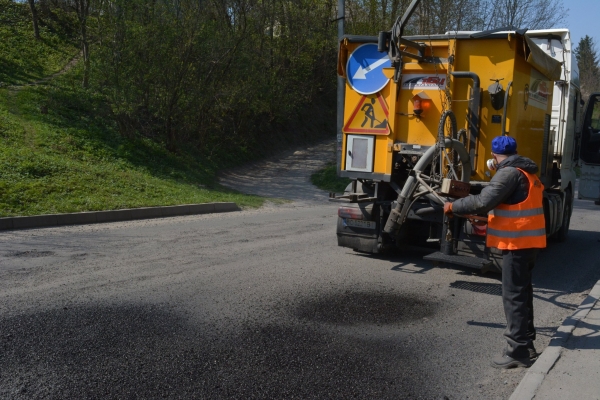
<point x="58" y="154"/>
<point x="328" y="180"/>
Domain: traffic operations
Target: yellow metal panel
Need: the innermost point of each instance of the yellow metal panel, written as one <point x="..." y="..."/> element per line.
<point x="500" y="59"/>
<point x="533" y="103"/>
<point x="383" y="158"/>
<point x="490" y="59"/>
<point x="422" y="129"/>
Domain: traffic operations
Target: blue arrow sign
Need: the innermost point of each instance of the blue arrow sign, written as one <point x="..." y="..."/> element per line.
<point x="364" y="69"/>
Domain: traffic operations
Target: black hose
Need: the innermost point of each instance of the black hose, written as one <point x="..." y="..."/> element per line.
<point x="506" y="94"/>
<point x="400" y="210"/>
<point x="441" y="137"/>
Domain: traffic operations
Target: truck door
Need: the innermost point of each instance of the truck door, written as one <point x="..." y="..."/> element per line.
<point x="589" y="150"/>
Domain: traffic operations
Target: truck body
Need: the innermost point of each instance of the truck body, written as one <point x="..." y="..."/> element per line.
<point x="421" y="135"/>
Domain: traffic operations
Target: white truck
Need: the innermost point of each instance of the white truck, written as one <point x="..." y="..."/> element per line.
<point x="571" y="127"/>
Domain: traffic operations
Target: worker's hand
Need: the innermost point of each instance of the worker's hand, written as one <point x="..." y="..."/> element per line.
<point x="448" y="209"/>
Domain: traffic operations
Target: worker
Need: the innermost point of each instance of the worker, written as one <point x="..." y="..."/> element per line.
<point x="516" y="226"/>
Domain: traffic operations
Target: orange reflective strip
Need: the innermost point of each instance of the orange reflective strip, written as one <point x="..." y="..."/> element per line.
<point x="517" y="244"/>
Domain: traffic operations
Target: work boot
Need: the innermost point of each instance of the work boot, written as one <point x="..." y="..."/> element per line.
<point x="533" y="354"/>
<point x="505" y="362"/>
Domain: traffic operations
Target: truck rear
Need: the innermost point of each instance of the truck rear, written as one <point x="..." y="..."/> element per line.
<point x="419" y="116"/>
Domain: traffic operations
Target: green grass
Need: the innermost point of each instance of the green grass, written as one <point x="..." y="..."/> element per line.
<point x="24" y="59"/>
<point x="328" y="180"/>
<point x="70" y="160"/>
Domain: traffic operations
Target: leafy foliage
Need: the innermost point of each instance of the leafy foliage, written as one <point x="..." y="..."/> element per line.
<point x="328" y="180"/>
<point x="589" y="70"/>
<point x="221" y="75"/>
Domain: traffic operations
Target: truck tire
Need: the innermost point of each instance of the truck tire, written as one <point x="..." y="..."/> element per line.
<point x="562" y="233"/>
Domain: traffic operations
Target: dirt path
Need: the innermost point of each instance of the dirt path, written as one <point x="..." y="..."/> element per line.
<point x="285" y="176"/>
<point x="45" y="79"/>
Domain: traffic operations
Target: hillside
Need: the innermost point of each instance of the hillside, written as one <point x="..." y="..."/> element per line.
<point x="61" y="148"/>
<point x="58" y="151"/>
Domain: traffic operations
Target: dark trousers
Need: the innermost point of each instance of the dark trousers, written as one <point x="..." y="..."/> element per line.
<point x="517" y="298"/>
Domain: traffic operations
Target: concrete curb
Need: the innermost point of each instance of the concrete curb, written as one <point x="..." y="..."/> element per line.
<point x="42" y="221"/>
<point x="534" y="377"/>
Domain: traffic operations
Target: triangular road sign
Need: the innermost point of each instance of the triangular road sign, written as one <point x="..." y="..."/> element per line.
<point x="370" y="116"/>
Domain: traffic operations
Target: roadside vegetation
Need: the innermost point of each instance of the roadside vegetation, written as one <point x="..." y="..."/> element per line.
<point x="69" y="159"/>
<point x="59" y="149"/>
<point x="111" y="106"/>
<point x="328" y="180"/>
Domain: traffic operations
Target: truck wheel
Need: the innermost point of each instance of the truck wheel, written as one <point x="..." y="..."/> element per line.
<point x="561" y="234"/>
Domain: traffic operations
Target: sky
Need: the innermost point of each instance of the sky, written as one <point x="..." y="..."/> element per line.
<point x="583" y="19"/>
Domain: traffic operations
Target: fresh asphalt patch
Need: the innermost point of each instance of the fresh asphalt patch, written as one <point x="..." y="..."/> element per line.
<point x="152" y="351"/>
<point x="352" y="308"/>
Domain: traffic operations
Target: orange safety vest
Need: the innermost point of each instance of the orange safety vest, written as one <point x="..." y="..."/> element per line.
<point x="522" y="225"/>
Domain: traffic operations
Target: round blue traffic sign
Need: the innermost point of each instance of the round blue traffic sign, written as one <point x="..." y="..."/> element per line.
<point x="364" y="69"/>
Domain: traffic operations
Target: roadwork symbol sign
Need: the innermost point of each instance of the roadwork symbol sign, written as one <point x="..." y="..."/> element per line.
<point x="370" y="116"/>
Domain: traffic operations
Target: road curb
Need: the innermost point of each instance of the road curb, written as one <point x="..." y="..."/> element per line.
<point x="531" y="382"/>
<point x="128" y="214"/>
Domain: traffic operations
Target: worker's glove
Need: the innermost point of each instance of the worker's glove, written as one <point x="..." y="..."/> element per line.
<point x="448" y="209"/>
<point x="477" y="222"/>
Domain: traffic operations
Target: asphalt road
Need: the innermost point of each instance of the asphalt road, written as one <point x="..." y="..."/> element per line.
<point x="260" y="304"/>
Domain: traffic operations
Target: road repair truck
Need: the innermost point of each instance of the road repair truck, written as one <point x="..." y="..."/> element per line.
<point x="420" y="113"/>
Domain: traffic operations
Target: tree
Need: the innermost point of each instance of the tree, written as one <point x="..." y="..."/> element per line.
<point x="81" y="8"/>
<point x="367" y="17"/>
<point x="530" y="14"/>
<point x="217" y="74"/>
<point x="589" y="70"/>
<point x="34" y="17"/>
<point x="440" y="16"/>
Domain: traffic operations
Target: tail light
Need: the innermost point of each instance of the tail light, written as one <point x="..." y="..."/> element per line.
<point x="350" y="212"/>
<point x="420" y="103"/>
<point x="417" y="107"/>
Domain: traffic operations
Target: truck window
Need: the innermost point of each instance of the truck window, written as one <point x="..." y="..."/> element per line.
<point x="590" y="135"/>
<point x="596" y="117"/>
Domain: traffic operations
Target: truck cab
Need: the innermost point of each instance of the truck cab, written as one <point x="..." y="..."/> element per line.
<point x="589" y="151"/>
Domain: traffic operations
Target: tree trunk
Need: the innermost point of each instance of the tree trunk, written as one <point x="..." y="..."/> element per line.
<point x="34" y="17"/>
<point x="85" y="47"/>
<point x="82" y="7"/>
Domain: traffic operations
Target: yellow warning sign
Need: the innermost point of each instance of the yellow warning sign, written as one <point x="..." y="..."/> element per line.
<point x="370" y="116"/>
